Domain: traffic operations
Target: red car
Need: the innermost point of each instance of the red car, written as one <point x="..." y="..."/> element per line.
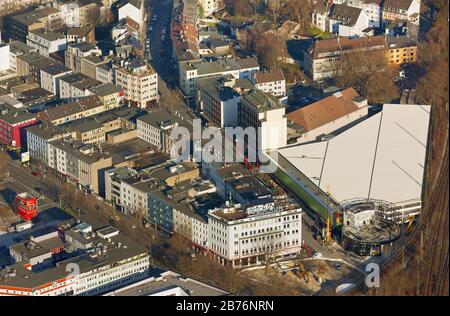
<point x="36" y="174"/>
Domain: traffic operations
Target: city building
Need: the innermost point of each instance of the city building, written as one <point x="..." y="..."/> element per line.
<point x="5" y="63"/>
<point x="46" y="42"/>
<point x="189" y="21"/>
<point x="321" y="59"/>
<point x="347" y="21"/>
<point x="266" y="114"/>
<point x="218" y="101"/>
<point x="245" y="236"/>
<point x="38" y="137"/>
<point x="109" y="94"/>
<point x="89" y="64"/>
<point x="106" y="258"/>
<point x="82" y="107"/>
<point x="83" y="164"/>
<point x="76" y="85"/>
<point x="156" y="127"/>
<point x="133" y="9"/>
<point x="70" y="12"/>
<point x="272" y="82"/>
<point x="15" y="49"/>
<point x="75" y="53"/>
<point x="401" y="10"/>
<point x="18" y="26"/>
<point x="50" y="77"/>
<point x="234" y="182"/>
<point x="374" y="10"/>
<point x="191" y="71"/>
<point x="80" y="34"/>
<point x="331" y="114"/>
<point x="87" y="131"/>
<point x="30" y="64"/>
<point x="13" y="122"/>
<point x="168" y="283"/>
<point x="139" y="82"/>
<point x="320" y="15"/>
<point x="401" y="50"/>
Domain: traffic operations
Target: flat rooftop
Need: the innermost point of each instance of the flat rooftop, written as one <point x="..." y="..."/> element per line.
<point x="382" y="157"/>
<point x="166" y="280"/>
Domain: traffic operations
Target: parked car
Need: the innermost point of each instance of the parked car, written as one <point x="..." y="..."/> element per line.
<point x="337" y="266"/>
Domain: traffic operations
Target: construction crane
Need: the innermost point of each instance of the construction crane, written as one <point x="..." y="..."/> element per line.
<point x="410" y="220"/>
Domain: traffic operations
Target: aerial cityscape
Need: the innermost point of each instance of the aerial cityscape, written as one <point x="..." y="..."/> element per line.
<point x="224" y="148"/>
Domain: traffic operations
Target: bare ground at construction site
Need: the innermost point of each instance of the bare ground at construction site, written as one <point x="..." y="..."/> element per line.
<point x="300" y="278"/>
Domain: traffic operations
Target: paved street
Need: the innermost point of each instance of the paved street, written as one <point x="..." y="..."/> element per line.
<point x="161" y="57"/>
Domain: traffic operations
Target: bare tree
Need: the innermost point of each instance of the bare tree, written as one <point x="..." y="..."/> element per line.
<point x="275" y="7"/>
<point x="300" y="10"/>
<point x="270" y="50"/>
<point x="4" y="173"/>
<point x="369" y="73"/>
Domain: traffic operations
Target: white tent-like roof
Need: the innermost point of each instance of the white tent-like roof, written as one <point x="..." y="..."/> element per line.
<point x="382" y="157"/>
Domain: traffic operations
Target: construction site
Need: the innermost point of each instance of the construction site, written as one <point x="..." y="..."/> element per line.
<point x="369" y="228"/>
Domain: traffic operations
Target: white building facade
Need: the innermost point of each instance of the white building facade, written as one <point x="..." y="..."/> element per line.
<point x="250" y="237"/>
<point x="46" y="42"/>
<point x="4" y="57"/>
<point x="140" y="85"/>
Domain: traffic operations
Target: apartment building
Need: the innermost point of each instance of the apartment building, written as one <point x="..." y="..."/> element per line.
<point x="266" y="114"/>
<point x="89" y="64"/>
<point x="244" y="236"/>
<point x="191" y="71"/>
<point x="38" y="137"/>
<point x="46" y="42"/>
<point x="76" y="85"/>
<point x="236" y="183"/>
<point x="80" y="34"/>
<point x="319" y="17"/>
<point x="105" y="73"/>
<point x="139" y="82"/>
<point x="321" y="58"/>
<point x="401" y="10"/>
<point x="17" y="27"/>
<point x="81" y="163"/>
<point x="329" y="115"/>
<point x="87" y="131"/>
<point x="133" y="9"/>
<point x="4" y="57"/>
<point x="189" y="21"/>
<point x="76" y="52"/>
<point x="16" y="49"/>
<point x="401" y="50"/>
<point x="156" y="127"/>
<point x="109" y="94"/>
<point x="374" y="10"/>
<point x="50" y="77"/>
<point x="82" y="107"/>
<point x="272" y="82"/>
<point x="31" y="64"/>
<point x="344" y="20"/>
